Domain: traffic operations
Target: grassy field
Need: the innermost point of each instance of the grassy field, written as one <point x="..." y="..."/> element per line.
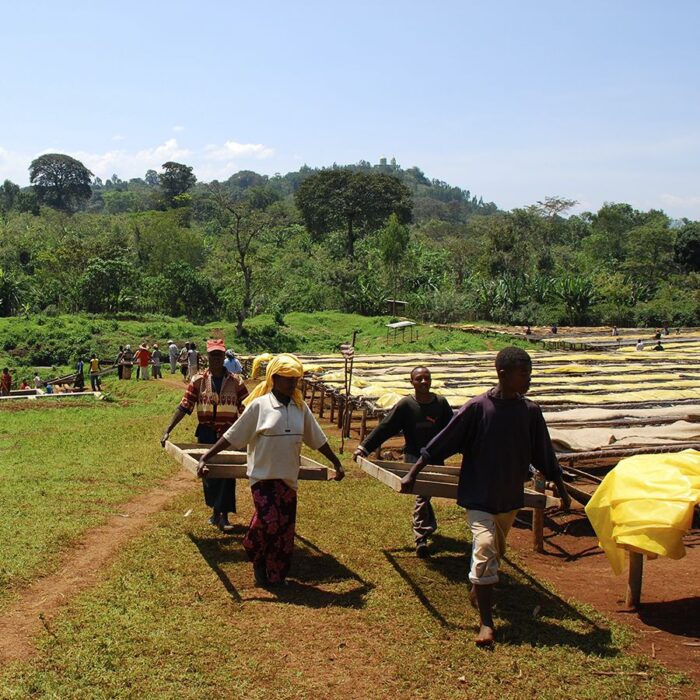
<point x="59" y="341"/>
<point x="177" y="614"/>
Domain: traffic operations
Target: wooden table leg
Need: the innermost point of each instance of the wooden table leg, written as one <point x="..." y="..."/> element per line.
<point x="363" y="424"/>
<point x="538" y="517"/>
<point x="323" y="402"/>
<point x="634" y="580"/>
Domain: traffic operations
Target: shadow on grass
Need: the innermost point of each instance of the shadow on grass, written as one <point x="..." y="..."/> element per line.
<point x="532" y="614"/>
<point x="449" y="559"/>
<point x="216" y="553"/>
<point x="312" y="571"/>
<point x="528" y="613"/>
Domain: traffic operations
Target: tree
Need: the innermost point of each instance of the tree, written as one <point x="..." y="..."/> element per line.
<point x="245" y="225"/>
<point x="107" y="285"/>
<point x="175" y="180"/>
<point x="10" y="294"/>
<point x="60" y="181"/>
<point x="687" y="247"/>
<point x="9" y="192"/>
<point x="393" y="242"/>
<point x="579" y="295"/>
<point x="555" y="206"/>
<point x="151" y="178"/>
<point x="182" y="291"/>
<point x="356" y="201"/>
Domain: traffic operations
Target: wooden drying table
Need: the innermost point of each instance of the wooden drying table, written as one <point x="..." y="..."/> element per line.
<point x="442" y="481"/>
<point x="231" y="464"/>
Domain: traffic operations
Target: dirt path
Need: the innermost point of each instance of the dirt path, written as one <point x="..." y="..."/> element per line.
<point x="668" y="619"/>
<point x="82" y="567"/>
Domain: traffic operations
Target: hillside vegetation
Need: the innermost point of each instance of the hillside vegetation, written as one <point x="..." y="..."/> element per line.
<point x="342" y="238"/>
<point x="59" y="341"/>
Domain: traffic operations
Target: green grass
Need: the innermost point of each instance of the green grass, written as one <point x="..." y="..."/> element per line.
<point x="177" y="615"/>
<point x="44" y="341"/>
<point x="66" y="467"/>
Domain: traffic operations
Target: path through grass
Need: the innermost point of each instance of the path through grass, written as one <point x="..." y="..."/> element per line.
<point x="178" y="616"/>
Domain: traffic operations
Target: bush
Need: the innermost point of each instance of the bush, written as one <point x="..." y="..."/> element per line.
<point x="268" y="337"/>
<point x="675" y="305"/>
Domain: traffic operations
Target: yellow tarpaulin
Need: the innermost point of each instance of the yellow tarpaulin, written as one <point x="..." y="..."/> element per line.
<point x="646" y="504"/>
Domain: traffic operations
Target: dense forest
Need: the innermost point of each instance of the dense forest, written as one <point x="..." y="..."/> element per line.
<point x="342" y="238"/>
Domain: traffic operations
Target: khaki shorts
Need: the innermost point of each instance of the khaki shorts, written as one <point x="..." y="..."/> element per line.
<point x="489" y="534"/>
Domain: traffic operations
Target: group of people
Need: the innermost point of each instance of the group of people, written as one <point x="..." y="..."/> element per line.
<point x="501" y="435"/>
<point x="150" y="359"/>
<point x="144" y="358"/>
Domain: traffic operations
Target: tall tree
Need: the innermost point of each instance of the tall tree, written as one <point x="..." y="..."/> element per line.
<point x="245" y="226"/>
<point x="359" y="202"/>
<point x="151" y="178"/>
<point x="60" y="181"/>
<point x="687" y="246"/>
<point x="175" y="180"/>
<point x="393" y="242"/>
<point x="9" y="192"/>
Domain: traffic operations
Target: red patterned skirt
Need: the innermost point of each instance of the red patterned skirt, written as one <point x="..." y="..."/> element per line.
<point x="270" y="538"/>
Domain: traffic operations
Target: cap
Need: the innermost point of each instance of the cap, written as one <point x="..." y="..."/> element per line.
<point x="216" y="344"/>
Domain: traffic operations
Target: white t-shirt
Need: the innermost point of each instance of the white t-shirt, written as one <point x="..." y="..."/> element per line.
<point x="273" y="434"/>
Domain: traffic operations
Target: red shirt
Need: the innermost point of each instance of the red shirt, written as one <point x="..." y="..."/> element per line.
<point x="143" y="357"/>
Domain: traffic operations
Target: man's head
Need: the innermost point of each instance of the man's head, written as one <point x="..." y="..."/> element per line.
<point x="216" y="353"/>
<point x="421" y="380"/>
<point x="514" y="368"/>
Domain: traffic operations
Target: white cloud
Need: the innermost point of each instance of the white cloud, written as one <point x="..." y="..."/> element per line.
<point x="118" y="137"/>
<point x="210" y="162"/>
<point x="178" y="128"/>
<point x="127" y="164"/>
<point x="14" y="166"/>
<point x="233" y="149"/>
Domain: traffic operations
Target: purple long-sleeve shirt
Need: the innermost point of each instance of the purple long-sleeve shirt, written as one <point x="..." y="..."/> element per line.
<point x="498" y="439"/>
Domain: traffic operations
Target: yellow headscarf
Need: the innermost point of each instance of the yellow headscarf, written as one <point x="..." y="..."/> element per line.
<point x="265" y="357"/>
<point x="284" y="365"/>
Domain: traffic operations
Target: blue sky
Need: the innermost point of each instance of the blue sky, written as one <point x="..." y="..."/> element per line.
<point x="596" y="101"/>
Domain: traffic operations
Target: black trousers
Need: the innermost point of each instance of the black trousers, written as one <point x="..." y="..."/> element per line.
<point x="219" y="494"/>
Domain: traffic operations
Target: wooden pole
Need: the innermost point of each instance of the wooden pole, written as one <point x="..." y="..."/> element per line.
<point x="323" y="401"/>
<point x="341" y="411"/>
<point x="634" y="580"/>
<point x="363" y="423"/>
<point x="313" y="396"/>
<point x="538" y="516"/>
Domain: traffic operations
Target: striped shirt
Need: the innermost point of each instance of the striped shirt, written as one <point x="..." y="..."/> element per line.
<point x="217" y="409"/>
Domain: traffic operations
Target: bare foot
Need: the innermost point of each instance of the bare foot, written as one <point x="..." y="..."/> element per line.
<point x="486" y="636"/>
<point x="472" y="598"/>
